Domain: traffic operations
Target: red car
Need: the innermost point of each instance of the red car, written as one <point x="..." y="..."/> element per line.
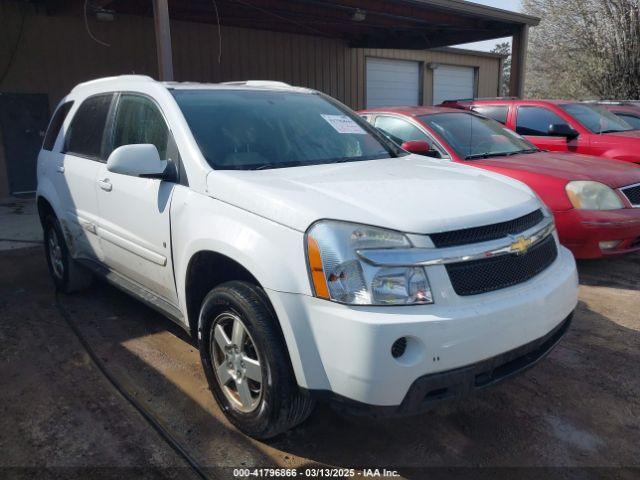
<point x="563" y="126"/>
<point x="596" y="202"/>
<point x="628" y="110"/>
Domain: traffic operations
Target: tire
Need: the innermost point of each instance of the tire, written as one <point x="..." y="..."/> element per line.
<point x="68" y="276"/>
<point x="274" y="405"/>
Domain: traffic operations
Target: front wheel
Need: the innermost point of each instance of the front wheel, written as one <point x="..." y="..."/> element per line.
<point x="246" y="361"/>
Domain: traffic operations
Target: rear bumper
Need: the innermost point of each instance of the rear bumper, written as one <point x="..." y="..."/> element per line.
<point x="581" y="231"/>
<point x="429" y="390"/>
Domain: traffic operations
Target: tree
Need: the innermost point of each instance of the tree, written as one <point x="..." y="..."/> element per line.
<point x="584" y="49"/>
<point x="504" y="49"/>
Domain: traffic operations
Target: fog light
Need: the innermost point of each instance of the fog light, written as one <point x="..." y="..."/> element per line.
<point x="398" y="347"/>
<point x="609" y="245"/>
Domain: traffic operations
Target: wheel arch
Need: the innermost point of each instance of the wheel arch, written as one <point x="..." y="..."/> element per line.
<point x="207" y="269"/>
<point x="44" y="208"/>
<point x="46" y="205"/>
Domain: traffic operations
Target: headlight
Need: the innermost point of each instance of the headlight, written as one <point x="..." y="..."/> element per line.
<point x="587" y="195"/>
<point x="338" y="274"/>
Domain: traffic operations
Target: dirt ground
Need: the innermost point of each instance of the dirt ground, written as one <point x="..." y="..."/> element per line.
<point x="577" y="413"/>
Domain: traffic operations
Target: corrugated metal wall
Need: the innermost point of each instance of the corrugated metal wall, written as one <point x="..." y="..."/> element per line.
<point x="55" y="52"/>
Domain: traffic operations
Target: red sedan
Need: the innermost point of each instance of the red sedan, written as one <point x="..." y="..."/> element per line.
<point x="563" y="126"/>
<point x="596" y="202"/>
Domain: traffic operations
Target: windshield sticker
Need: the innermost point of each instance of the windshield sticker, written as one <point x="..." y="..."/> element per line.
<point x="344" y="124"/>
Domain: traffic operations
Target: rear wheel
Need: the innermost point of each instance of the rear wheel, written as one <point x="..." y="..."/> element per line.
<point x="246" y="362"/>
<point x="68" y="276"/>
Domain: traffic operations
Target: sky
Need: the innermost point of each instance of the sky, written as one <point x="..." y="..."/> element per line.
<point x="514" y="5"/>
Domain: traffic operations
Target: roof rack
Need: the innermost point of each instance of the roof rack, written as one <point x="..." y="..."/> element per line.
<point x="258" y="83"/>
<point x="479" y="98"/>
<point x="143" y="78"/>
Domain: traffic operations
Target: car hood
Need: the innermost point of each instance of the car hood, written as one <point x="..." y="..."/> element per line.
<point x="411" y="194"/>
<point x="568" y="166"/>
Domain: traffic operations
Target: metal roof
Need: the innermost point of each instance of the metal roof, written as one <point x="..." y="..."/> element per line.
<point x="412" y="24"/>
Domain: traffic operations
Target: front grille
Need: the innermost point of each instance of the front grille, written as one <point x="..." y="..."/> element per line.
<point x="486" y="232"/>
<point x="487" y="275"/>
<point x="633" y="194"/>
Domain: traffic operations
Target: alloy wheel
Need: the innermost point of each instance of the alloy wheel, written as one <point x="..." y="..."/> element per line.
<point x="55" y="254"/>
<point x="236" y="362"/>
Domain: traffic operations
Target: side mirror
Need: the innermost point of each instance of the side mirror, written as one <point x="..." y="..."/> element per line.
<point x="419" y="147"/>
<point x="140" y="160"/>
<point x="562" y="130"/>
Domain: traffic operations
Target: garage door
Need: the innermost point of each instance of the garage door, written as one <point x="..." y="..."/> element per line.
<point x="392" y="82"/>
<point x="451" y="82"/>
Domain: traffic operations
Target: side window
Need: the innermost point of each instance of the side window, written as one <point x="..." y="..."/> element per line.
<point x="496" y="112"/>
<point x="632" y="120"/>
<point x="138" y="120"/>
<point x="400" y="129"/>
<point x="86" y="131"/>
<point x="55" y="125"/>
<point x="536" y="120"/>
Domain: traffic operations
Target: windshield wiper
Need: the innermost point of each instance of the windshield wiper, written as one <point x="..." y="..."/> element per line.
<point x="490" y="154"/>
<point x="359" y="159"/>
<point x="270" y="165"/>
<point x="529" y="150"/>
<point x="613" y="130"/>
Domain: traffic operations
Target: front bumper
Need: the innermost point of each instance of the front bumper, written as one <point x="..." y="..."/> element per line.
<point x="429" y="390"/>
<point x="581" y="231"/>
<point x="346" y="350"/>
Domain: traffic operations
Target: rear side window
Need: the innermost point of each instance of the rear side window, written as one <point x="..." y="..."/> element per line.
<point x="400" y="129"/>
<point x="632" y="120"/>
<point x="55" y="125"/>
<point x="138" y="120"/>
<point x="536" y="120"/>
<point x="497" y="113"/>
<point x="86" y="131"/>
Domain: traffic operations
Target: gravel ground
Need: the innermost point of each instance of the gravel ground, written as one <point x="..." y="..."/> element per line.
<point x="577" y="413"/>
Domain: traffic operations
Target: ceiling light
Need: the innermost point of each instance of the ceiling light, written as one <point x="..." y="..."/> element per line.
<point x="359" y="15"/>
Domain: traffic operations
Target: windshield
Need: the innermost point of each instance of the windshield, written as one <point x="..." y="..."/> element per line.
<point x="472" y="136"/>
<point x="249" y="130"/>
<point x="595" y="118"/>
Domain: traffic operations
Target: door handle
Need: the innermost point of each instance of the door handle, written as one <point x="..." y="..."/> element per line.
<point x="60" y="169"/>
<point x="105" y="185"/>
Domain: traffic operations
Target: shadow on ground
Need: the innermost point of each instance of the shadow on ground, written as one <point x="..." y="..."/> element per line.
<point x="618" y="272"/>
<point x="577" y="408"/>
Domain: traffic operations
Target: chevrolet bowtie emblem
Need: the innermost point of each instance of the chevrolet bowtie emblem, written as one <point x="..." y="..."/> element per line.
<point x="521" y="245"/>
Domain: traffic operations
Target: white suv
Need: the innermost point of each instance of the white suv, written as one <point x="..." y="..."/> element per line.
<point x="310" y="256"/>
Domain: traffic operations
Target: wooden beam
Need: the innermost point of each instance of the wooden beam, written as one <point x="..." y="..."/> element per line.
<point x="519" y="47"/>
<point x="163" y="39"/>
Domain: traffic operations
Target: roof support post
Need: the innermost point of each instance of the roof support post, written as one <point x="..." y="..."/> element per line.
<point x="163" y="39"/>
<point x="519" y="47"/>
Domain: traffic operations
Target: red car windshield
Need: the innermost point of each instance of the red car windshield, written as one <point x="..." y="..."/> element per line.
<point x="473" y="136"/>
<point x="596" y="119"/>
